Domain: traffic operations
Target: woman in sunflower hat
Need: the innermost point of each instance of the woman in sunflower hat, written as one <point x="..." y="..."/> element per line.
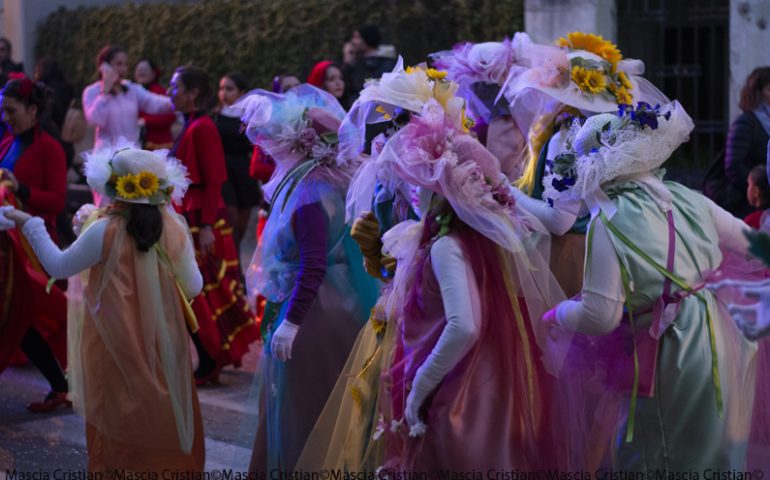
<point x="550" y="88"/>
<point x="129" y="358"/>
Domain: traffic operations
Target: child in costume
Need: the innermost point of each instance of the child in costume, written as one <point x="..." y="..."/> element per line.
<point x="129" y="359"/>
<point x="307" y="267"/>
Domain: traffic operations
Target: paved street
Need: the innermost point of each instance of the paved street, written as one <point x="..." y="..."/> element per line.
<point x="32" y="442"/>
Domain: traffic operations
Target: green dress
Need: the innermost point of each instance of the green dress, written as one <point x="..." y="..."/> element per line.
<point x="679" y="425"/>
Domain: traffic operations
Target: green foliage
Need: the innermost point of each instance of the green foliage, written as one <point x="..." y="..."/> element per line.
<point x="262" y="38"/>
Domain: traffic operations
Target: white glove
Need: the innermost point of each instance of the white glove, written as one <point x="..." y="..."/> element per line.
<point x="81" y="217"/>
<point x="283" y="339"/>
<point x="5" y="222"/>
<point x="753" y="319"/>
<point x="460" y="296"/>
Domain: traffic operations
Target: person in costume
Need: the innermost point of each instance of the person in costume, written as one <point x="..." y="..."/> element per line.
<point x="306" y="266"/>
<point x="33" y="178"/>
<point x="651" y="248"/>
<point x="130" y="370"/>
<point x="467" y="289"/>
<point x="112" y="104"/>
<point x="157" y="127"/>
<point x="227" y="324"/>
<point x="481" y="70"/>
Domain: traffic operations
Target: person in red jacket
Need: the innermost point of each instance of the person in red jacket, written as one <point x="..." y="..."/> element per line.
<point x="227" y="325"/>
<point x="33" y="178"/>
<point x="157" y="127"/>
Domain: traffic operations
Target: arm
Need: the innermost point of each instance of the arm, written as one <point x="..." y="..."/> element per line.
<point x="737" y="161"/>
<point x="150" y="102"/>
<point x="557" y="219"/>
<point x="460" y="295"/>
<point x="311" y="231"/>
<point x="187" y="272"/>
<point x="211" y="158"/>
<point x="309" y="224"/>
<point x="731" y="230"/>
<point x="600" y="308"/>
<point x="52" y="198"/>
<point x="84" y="253"/>
<point x="96" y="105"/>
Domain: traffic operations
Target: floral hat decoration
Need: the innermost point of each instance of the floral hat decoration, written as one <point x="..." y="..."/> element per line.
<point x="583" y="70"/>
<point x="128" y="174"/>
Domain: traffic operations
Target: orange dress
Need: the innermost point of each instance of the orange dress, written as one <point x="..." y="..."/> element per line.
<point x="133" y="345"/>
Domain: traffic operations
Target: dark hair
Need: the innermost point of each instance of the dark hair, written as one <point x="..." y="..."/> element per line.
<point x="7" y="44"/>
<point x="193" y="77"/>
<point x="145" y="224"/>
<point x="49" y="70"/>
<point x="106" y="54"/>
<point x="27" y="92"/>
<point x="239" y="80"/>
<point x="758" y="176"/>
<point x="370" y="34"/>
<point x="751" y="93"/>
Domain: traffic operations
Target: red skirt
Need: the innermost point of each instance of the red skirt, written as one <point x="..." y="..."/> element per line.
<point x="227" y="326"/>
<point x="24" y="301"/>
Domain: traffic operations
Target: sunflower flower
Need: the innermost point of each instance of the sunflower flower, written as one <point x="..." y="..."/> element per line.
<point x="128" y="187"/>
<point x="148" y="183"/>
<point x="624" y="81"/>
<point x="595" y="44"/>
<point x="589" y="81"/>
<point x="621" y="94"/>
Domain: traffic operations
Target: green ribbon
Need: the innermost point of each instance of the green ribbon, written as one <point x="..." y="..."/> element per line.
<point x="682" y="284"/>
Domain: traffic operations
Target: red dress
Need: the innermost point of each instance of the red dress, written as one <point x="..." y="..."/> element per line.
<point x="24" y="302"/>
<point x="158" y="127"/>
<point x="227" y="325"/>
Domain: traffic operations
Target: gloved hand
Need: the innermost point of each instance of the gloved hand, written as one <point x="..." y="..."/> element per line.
<point x="366" y="232"/>
<point x="753" y="319"/>
<point x="81" y="216"/>
<point x="5" y="222"/>
<point x="282" y="341"/>
<point x="551" y="323"/>
<point x="414" y="401"/>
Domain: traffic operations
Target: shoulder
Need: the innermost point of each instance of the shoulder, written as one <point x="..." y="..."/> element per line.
<point x="745" y="120"/>
<point x="49" y="143"/>
<point x="446" y="246"/>
<point x="92" y="90"/>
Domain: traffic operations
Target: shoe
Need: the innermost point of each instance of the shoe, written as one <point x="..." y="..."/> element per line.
<point x="210" y="377"/>
<point x="51" y="401"/>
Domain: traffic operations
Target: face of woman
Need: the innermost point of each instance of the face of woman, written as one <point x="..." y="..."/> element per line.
<point x="120" y="64"/>
<point x="143" y="73"/>
<point x="17" y="116"/>
<point x="334" y="83"/>
<point x="766" y="94"/>
<point x="289" y="82"/>
<point x="183" y="99"/>
<point x="228" y="91"/>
